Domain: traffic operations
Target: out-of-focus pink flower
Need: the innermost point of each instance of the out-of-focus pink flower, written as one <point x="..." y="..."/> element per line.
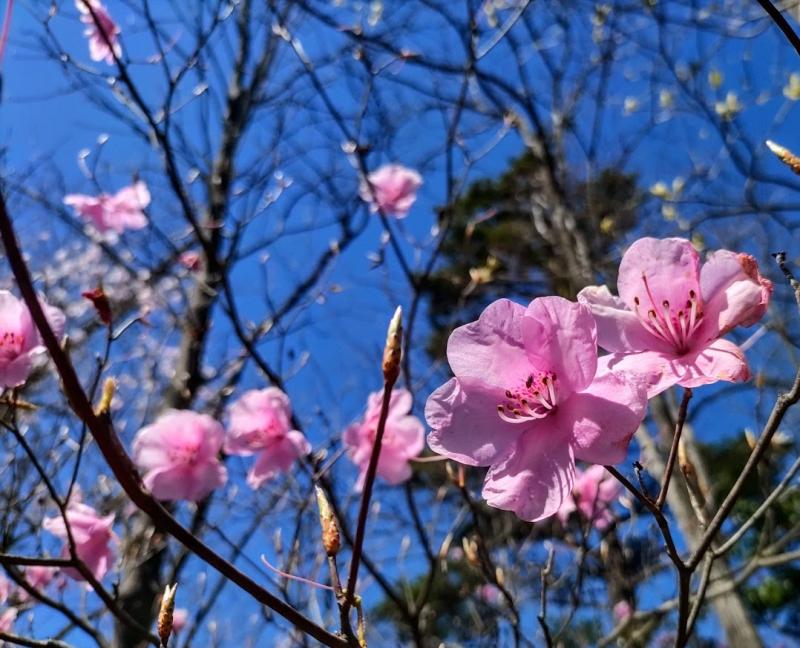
<point x="178" y="455"/>
<point x="489" y="593"/>
<point x="179" y="618"/>
<point x="527" y="400"/>
<point x="120" y="212"/>
<point x="92" y="534"/>
<point x="403" y="438"/>
<point x="20" y="342"/>
<point x="7" y="619"/>
<point x="101" y="30"/>
<point x="38" y="577"/>
<point x="191" y="261"/>
<point x="393" y="189"/>
<point x="5" y="588"/>
<point x="594" y="491"/>
<point x="622" y="611"/>
<point x="260" y="423"/>
<point x="667" y="324"/>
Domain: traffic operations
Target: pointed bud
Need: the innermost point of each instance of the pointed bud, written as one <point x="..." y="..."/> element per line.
<point x="393" y="349"/>
<point x="785" y="156"/>
<point x="165" y="613"/>
<point x="109" y="388"/>
<point x="327" y="520"/>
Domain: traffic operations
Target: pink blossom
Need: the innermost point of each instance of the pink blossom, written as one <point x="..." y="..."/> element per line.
<point x="667" y="323"/>
<point x="5" y="588"/>
<point x="179" y="618"/>
<point x="92" y="534"/>
<point x="191" y="261"/>
<point x="260" y="423"/>
<point x="100" y="30"/>
<point x="622" y="611"/>
<point x="527" y="401"/>
<point x="489" y="593"/>
<point x="20" y="342"/>
<point x="123" y="210"/>
<point x="7" y="619"/>
<point x="179" y="455"/>
<point x="393" y="189"/>
<point x="594" y="491"/>
<point x="38" y="577"/>
<point x="403" y="438"/>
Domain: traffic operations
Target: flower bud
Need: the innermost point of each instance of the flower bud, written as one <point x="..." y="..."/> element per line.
<point x="327" y="520"/>
<point x="785" y="156"/>
<point x="109" y="388"/>
<point x="165" y="613"/>
<point x="101" y="304"/>
<point x="393" y="349"/>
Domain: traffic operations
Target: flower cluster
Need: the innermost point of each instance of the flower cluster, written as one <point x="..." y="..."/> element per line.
<point x="530" y="394"/>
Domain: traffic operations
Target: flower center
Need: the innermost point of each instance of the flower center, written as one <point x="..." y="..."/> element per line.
<point x="535" y="398"/>
<point x="673" y="323"/>
<point x="184" y="454"/>
<point x="11" y="345"/>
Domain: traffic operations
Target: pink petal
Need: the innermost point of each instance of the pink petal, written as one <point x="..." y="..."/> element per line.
<point x="275" y="459"/>
<point x="603" y="418"/>
<point x="393" y="466"/>
<point x="16" y="372"/>
<point x="654" y="370"/>
<point x="536" y="476"/>
<point x="491" y="349"/>
<point x="561" y="336"/>
<point x="618" y="328"/>
<point x="734" y="293"/>
<point x="466" y="427"/>
<point x="671" y="268"/>
<point x="720" y="360"/>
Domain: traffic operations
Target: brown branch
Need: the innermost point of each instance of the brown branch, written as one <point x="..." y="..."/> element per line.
<point x="673" y="452"/>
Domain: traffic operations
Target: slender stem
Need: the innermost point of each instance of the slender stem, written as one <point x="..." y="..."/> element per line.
<point x="684" y="593"/>
<point x="673" y="451"/>
<point x="369" y="482"/>
<point x="782" y="23"/>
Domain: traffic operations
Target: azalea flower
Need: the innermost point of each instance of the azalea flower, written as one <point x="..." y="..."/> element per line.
<point x="527" y="400"/>
<point x="120" y="212"/>
<point x="92" y="534"/>
<point x="261" y="423"/>
<point x="20" y="341"/>
<point x="7" y="619"/>
<point x="5" y="588"/>
<point x="38" y="577"/>
<point x="622" y="611"/>
<point x="392" y="189"/>
<point x="593" y="493"/>
<point x="179" y="618"/>
<point x="403" y="438"/>
<point x="178" y="454"/>
<point x="667" y="324"/>
<point x="100" y="30"/>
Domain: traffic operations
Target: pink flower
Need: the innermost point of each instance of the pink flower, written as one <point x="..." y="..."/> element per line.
<point x="119" y="212"/>
<point x="38" y="577"/>
<point x="260" y="422"/>
<point x="527" y="400"/>
<point x="191" y="261"/>
<point x="594" y="491"/>
<point x="20" y="342"/>
<point x="92" y="535"/>
<point x="622" y="611"/>
<point x="394" y="189"/>
<point x="7" y="619"/>
<point x="403" y="438"/>
<point x="178" y="455"/>
<point x="100" y="30"/>
<point x="488" y="593"/>
<point x="179" y="618"/>
<point x="666" y="326"/>
<point x="5" y="588"/>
